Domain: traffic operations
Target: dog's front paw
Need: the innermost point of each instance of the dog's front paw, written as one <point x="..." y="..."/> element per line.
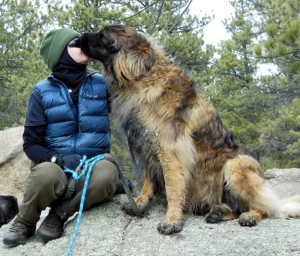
<point x="215" y="216"/>
<point x="170" y="228"/>
<point x="129" y="210"/>
<point x="248" y="220"/>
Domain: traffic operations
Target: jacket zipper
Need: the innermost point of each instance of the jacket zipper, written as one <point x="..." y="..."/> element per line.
<point x="72" y="109"/>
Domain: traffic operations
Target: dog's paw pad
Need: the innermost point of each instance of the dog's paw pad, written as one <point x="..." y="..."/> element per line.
<point x="248" y="220"/>
<point x="215" y="216"/>
<point x="169" y="229"/>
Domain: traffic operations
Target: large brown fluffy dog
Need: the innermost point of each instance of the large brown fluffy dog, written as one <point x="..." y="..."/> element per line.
<point x="178" y="136"/>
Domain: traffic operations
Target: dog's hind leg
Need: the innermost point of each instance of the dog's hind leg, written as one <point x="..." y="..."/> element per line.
<point x="218" y="214"/>
<point x="142" y="201"/>
<point x="244" y="180"/>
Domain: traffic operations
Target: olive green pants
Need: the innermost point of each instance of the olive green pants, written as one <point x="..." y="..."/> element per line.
<point x="47" y="183"/>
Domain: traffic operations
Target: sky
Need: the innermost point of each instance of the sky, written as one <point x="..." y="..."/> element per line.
<point x="215" y="31"/>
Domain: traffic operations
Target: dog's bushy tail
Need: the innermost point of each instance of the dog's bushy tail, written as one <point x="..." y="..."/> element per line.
<point x="290" y="207"/>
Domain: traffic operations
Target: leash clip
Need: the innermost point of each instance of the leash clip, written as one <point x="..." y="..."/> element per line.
<point x="72" y="182"/>
<point x="71" y="188"/>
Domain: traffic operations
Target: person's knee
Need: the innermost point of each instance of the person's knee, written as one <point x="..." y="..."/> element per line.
<point x="105" y="176"/>
<point x="105" y="170"/>
<point x="103" y="183"/>
<point x="46" y="174"/>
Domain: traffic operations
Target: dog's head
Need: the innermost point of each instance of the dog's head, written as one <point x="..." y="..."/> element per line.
<point x="8" y="209"/>
<point x="126" y="54"/>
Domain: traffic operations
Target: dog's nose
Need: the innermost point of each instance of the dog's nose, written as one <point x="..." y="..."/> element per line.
<point x="74" y="43"/>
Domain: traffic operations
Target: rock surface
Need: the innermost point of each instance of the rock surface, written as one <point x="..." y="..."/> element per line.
<point x="14" y="165"/>
<point x="285" y="182"/>
<point x="106" y="230"/>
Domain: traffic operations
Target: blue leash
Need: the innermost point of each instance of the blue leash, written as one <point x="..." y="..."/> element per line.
<point x="76" y="177"/>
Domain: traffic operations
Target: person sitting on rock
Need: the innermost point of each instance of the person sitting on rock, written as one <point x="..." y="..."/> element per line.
<point x="66" y="118"/>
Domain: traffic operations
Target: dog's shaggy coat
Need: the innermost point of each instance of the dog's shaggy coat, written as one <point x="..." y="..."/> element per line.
<point x="178" y="136"/>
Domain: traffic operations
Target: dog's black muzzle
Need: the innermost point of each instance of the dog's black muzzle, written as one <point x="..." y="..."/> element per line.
<point x="74" y="43"/>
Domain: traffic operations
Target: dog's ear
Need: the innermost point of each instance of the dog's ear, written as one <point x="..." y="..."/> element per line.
<point x="126" y="38"/>
<point x="120" y="37"/>
<point x="146" y="54"/>
<point x="229" y="140"/>
<point x="133" y="63"/>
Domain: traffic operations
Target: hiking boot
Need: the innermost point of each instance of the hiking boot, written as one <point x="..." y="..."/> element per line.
<point x="52" y="227"/>
<point x="18" y="232"/>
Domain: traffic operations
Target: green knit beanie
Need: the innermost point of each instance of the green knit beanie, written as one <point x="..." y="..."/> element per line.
<point x="54" y="44"/>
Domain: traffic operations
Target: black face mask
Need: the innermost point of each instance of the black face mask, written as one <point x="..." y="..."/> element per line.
<point x="71" y="73"/>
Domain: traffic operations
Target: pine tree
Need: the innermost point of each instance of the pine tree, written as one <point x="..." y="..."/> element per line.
<point x="234" y="92"/>
<point x="282" y="137"/>
<point x="280" y="21"/>
<point x="21" y="31"/>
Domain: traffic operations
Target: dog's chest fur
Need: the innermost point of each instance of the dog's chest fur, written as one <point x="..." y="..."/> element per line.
<point x="134" y="112"/>
<point x="143" y="139"/>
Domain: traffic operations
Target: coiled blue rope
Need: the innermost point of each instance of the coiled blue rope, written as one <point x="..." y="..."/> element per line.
<point x="75" y="176"/>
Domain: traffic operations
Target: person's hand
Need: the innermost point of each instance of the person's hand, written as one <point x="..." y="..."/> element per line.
<point x="70" y="162"/>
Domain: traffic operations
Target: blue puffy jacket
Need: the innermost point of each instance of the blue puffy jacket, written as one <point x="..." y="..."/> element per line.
<point x="84" y="133"/>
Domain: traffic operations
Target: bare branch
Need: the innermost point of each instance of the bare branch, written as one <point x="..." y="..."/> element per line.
<point x="171" y="29"/>
<point x="156" y="21"/>
<point x="138" y="12"/>
<point x="155" y="8"/>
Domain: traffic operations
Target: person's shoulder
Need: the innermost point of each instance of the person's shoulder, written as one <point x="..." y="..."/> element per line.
<point x="42" y="83"/>
<point x="96" y="77"/>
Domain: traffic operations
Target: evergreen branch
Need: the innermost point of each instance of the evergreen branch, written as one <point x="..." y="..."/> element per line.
<point x="263" y="9"/>
<point x="285" y="44"/>
<point x="295" y="53"/>
<point x="141" y="3"/>
<point x="187" y="30"/>
<point x="180" y="7"/>
<point x="232" y="74"/>
<point x="289" y="157"/>
<point x="194" y="63"/>
<point x="5" y="87"/>
<point x="7" y="116"/>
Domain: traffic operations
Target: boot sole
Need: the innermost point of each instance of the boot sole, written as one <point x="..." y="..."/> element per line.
<point x="14" y="242"/>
